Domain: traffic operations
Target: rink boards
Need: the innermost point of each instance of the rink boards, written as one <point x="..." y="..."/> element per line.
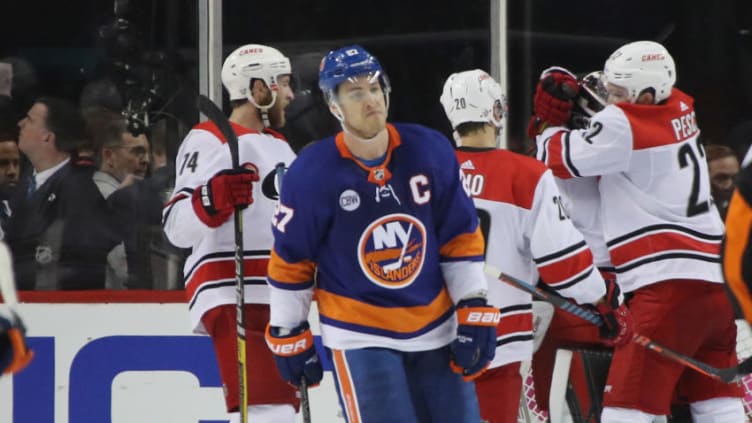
<point x="131" y="360"/>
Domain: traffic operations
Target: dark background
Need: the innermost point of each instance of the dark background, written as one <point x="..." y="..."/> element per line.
<point x="60" y="47"/>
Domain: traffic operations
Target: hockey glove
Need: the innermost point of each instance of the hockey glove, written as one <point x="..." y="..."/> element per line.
<point x="215" y="201"/>
<point x="475" y="345"/>
<point x="553" y="101"/>
<point x="616" y="329"/>
<point x="14" y="354"/>
<point x="295" y="354"/>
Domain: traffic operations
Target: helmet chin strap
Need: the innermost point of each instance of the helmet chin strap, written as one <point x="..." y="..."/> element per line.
<point x="264" y="110"/>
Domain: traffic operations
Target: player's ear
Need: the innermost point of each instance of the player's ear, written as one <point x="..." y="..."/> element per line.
<point x="258" y="85"/>
<point x="335" y="110"/>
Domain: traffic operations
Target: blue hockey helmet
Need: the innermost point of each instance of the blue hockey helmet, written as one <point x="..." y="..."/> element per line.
<point x="349" y="62"/>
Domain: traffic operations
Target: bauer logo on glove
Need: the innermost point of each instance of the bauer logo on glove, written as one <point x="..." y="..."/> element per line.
<point x="295" y="354"/>
<point x="475" y="345"/>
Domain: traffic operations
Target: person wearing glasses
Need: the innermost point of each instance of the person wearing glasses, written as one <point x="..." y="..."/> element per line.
<point x="123" y="160"/>
<point x="123" y="157"/>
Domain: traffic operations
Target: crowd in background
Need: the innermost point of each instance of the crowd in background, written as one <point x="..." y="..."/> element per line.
<point x="81" y="194"/>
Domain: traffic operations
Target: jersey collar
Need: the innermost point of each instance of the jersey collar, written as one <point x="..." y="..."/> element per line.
<point x="379" y="174"/>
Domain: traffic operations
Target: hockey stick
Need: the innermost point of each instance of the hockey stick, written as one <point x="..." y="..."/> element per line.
<point x="210" y="110"/>
<point x="305" y="405"/>
<point x="727" y="375"/>
<point x="397" y="264"/>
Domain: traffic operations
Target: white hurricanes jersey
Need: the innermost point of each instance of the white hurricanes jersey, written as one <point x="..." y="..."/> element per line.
<point x="528" y="236"/>
<point x="209" y="272"/>
<point x="582" y="201"/>
<point x="654" y="187"/>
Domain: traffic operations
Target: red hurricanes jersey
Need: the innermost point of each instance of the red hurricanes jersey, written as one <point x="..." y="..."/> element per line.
<point x="530" y="236"/>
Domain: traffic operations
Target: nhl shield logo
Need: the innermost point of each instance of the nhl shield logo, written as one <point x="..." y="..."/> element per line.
<point x="43" y="254"/>
<point x="392" y="249"/>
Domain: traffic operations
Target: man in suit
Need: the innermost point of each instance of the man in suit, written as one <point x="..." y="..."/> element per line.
<point x="58" y="231"/>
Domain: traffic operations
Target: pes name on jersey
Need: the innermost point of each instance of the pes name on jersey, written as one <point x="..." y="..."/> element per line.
<point x="685" y="126"/>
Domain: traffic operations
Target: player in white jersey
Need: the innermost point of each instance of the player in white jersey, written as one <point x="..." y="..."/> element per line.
<point x="662" y="238"/>
<point x="198" y="216"/>
<point x="581" y="200"/>
<point x="528" y="235"/>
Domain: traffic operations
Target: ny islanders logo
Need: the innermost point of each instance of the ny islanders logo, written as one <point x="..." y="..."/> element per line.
<point x="392" y="250"/>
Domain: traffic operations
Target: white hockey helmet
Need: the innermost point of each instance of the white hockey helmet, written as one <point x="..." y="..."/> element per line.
<point x="472" y="96"/>
<point x="253" y="61"/>
<point x="639" y="66"/>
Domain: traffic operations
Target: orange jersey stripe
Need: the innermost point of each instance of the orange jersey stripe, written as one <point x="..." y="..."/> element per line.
<point x="464" y="245"/>
<point x="738" y="227"/>
<point x="224" y="269"/>
<point x="658" y="242"/>
<point x="290" y="273"/>
<point x="346" y="386"/>
<point x="395" y="319"/>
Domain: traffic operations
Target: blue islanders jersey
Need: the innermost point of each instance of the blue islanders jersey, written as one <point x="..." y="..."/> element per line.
<point x="388" y="249"/>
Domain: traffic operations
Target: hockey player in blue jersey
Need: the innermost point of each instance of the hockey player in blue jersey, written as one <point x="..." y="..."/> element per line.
<point x="376" y="222"/>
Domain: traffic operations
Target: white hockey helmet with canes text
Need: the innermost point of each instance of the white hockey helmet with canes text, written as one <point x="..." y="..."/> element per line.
<point x="640" y="66"/>
<point x="253" y="61"/>
<point x="473" y="96"/>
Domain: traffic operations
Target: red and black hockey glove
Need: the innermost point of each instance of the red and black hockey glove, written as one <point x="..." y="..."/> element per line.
<point x="215" y="201"/>
<point x="554" y="99"/>
<point x="475" y="345"/>
<point x="15" y="355"/>
<point x="295" y="354"/>
<point x="617" y="321"/>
